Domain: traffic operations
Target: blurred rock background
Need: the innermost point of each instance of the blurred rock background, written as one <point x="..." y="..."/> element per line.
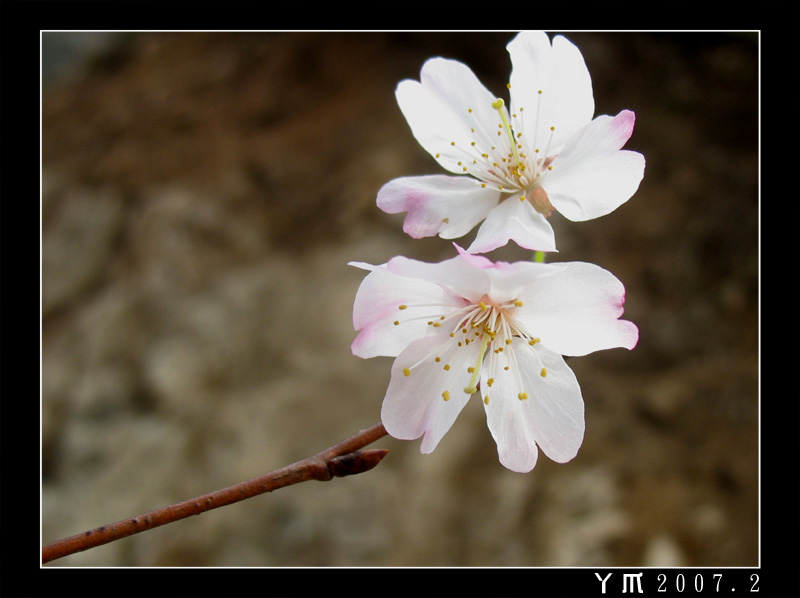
<point x="202" y="194"/>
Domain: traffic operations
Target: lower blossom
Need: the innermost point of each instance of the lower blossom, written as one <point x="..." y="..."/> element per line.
<point x="467" y="325"/>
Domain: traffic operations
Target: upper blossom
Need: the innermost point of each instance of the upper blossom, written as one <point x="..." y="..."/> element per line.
<point x="546" y="153"/>
<point x="467" y="325"/>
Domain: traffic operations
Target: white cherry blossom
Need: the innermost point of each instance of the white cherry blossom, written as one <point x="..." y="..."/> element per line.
<point x="546" y="153"/>
<point x="468" y="325"/>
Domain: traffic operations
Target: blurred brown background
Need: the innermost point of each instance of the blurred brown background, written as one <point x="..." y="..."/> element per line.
<point x="202" y="195"/>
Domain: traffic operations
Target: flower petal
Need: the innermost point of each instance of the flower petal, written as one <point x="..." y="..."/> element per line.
<point x="559" y="72"/>
<point x="460" y="277"/>
<point x="443" y="108"/>
<point x="592" y="176"/>
<point x="574" y="308"/>
<point x="425" y="291"/>
<point x="525" y="408"/>
<point x="377" y="308"/>
<point x="415" y="402"/>
<point x="515" y="220"/>
<point x="438" y="204"/>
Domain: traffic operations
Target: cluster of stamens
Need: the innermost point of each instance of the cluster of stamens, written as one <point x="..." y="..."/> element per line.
<point x="507" y="166"/>
<point x="494" y="328"/>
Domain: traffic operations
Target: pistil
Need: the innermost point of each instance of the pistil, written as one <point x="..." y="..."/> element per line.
<point x="472" y="386"/>
<point x="498" y="105"/>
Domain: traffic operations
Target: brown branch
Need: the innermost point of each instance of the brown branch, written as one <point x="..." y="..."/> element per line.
<point x="340" y="460"/>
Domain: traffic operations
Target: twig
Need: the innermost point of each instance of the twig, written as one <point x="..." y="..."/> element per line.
<point x="340" y="460"/>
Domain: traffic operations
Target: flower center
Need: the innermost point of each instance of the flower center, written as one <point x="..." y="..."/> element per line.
<point x="526" y="171"/>
<point x="490" y="324"/>
<point x="496" y="328"/>
<point x="513" y="164"/>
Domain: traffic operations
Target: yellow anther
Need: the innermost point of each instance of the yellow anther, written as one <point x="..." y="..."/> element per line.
<point x="522" y="396"/>
<point x="402" y="307"/>
<point x="447" y="367"/>
<point x="543" y="372"/>
<point x="508" y="341"/>
<point x="490" y="381"/>
<point x="486" y="399"/>
<point x="498" y="103"/>
<point x="518" y="303"/>
<point x="446" y="395"/>
<point x="533" y="341"/>
<point x="406" y="372"/>
<point x="396" y="323"/>
<point x="470" y="369"/>
<point x="438" y="359"/>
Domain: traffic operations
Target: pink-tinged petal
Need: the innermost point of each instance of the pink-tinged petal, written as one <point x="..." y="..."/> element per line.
<point x="438" y="204"/>
<point x="574" y="307"/>
<point x="526" y="409"/>
<point x="459" y="278"/>
<point x="476" y="261"/>
<point x="443" y="108"/>
<point x="425" y="395"/>
<point x="514" y="220"/>
<point x="384" y="328"/>
<point x="592" y="176"/>
<point x="559" y="71"/>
